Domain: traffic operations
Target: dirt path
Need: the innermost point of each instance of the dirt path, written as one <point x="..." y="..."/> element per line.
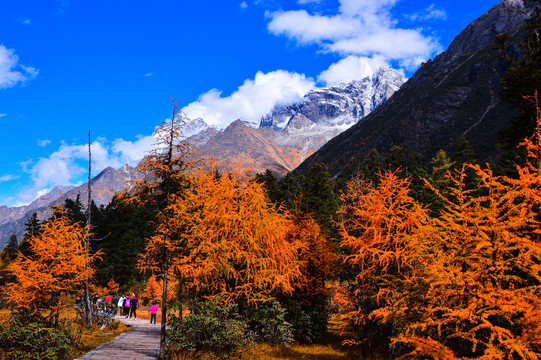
<point x="140" y="343"/>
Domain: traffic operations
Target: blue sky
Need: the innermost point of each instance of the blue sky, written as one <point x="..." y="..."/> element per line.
<point x="70" y="66"/>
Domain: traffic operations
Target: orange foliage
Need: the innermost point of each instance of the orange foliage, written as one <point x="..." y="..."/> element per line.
<point x="383" y="231"/>
<point x="152" y="290"/>
<point x="226" y="238"/>
<point x="483" y="297"/>
<point x="380" y="225"/>
<point x="112" y="286"/>
<point x="58" y="267"/>
<point x="316" y="255"/>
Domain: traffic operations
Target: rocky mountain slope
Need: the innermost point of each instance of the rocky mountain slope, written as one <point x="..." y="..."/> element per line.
<point x="244" y="147"/>
<point x="289" y="134"/>
<point x="104" y="186"/>
<point x="459" y="94"/>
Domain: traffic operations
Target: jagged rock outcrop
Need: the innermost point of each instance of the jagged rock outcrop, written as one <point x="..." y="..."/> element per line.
<point x="458" y="94"/>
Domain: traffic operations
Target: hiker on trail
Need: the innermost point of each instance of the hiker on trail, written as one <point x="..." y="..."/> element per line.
<point x="120" y="305"/>
<point x="133" y="306"/>
<point x="114" y="303"/>
<point x="127" y="306"/>
<point x="153" y="311"/>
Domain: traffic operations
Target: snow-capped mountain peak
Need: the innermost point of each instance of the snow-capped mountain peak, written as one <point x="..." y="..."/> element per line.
<point x="342" y="105"/>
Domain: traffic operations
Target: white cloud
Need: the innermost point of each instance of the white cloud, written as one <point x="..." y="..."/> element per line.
<point x="352" y="68"/>
<point x="68" y="165"/>
<point x="11" y="72"/>
<point x="131" y="152"/>
<point x="251" y="100"/>
<point x="243" y="5"/>
<point x="364" y="28"/>
<point x="308" y="29"/>
<point x="2" y="115"/>
<point x="26" y="21"/>
<point x="6" y="178"/>
<point x="430" y="13"/>
<point x="148" y="74"/>
<point x="43" y="143"/>
<point x="302" y="2"/>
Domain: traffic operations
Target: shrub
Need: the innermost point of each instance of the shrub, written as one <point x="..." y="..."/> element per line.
<point x="211" y="328"/>
<point x="268" y="322"/>
<point x="34" y="341"/>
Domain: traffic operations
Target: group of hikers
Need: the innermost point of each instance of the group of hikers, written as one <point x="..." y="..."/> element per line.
<point x="124" y="306"/>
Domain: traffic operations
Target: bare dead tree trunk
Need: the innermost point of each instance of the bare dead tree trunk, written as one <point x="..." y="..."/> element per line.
<point x="87" y="238"/>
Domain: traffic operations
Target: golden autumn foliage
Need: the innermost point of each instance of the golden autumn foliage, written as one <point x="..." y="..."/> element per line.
<point x="482" y="298"/>
<point x="464" y="285"/>
<point x="382" y="230"/>
<point x="58" y="267"/>
<point x="316" y="255"/>
<point x="227" y="239"/>
<point x="479" y="295"/>
<point x="112" y="286"/>
<point x="153" y="289"/>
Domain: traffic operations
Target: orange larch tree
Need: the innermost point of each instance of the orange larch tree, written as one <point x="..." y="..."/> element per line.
<point x="318" y="266"/>
<point x="382" y="230"/>
<point x="233" y="242"/>
<point x="165" y="169"/>
<point x="152" y="290"/>
<point x="57" y="268"/>
<point x="112" y="286"/>
<point x="484" y="300"/>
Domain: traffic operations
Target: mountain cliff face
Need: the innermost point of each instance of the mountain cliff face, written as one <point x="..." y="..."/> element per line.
<point x="104" y="186"/>
<point x="459" y="94"/>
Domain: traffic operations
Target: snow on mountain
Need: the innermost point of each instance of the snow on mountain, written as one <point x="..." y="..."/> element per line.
<point x="326" y="112"/>
<point x="340" y="105"/>
<point x="290" y="133"/>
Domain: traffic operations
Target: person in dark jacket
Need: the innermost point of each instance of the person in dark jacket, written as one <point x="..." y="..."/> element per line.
<point x="133" y="306"/>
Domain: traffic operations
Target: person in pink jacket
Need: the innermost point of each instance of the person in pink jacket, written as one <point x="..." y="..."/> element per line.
<point x="153" y="311"/>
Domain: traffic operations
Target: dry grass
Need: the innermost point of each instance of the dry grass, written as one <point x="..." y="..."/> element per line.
<point x="330" y="348"/>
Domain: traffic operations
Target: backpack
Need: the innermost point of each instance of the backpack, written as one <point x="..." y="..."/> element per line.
<point x="127" y="302"/>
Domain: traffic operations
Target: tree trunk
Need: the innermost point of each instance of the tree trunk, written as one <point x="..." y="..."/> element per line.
<point x="164" y="309"/>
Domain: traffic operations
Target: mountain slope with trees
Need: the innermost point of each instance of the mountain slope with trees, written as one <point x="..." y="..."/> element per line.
<point x="457" y="95"/>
